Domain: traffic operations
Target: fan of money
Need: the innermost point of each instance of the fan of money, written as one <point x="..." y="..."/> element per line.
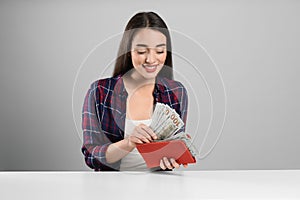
<point x="166" y="122"/>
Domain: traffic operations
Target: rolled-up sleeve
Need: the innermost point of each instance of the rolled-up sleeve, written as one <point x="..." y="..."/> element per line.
<point x="95" y="142"/>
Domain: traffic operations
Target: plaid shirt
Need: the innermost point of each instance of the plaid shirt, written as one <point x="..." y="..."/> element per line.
<point x="104" y="112"/>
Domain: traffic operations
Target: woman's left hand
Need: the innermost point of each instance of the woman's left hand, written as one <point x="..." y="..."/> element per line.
<point x="166" y="163"/>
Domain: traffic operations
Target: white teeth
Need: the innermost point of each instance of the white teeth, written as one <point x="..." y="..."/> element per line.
<point x="150" y="67"/>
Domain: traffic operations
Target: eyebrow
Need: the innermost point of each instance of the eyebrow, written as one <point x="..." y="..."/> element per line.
<point x="144" y="45"/>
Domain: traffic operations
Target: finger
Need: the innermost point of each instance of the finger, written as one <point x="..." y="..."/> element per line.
<point x="174" y="163"/>
<point x="161" y="164"/>
<point x="167" y="163"/>
<point x="142" y="139"/>
<point x="149" y="131"/>
<point x="142" y="128"/>
<point x="136" y="133"/>
<point x="142" y="135"/>
<point x="135" y="140"/>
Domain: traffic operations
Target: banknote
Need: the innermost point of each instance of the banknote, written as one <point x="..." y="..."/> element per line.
<point x="166" y="122"/>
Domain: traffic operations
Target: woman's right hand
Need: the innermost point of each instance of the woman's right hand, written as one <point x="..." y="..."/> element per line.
<point x="141" y="134"/>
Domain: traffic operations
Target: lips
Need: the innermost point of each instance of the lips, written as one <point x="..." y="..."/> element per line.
<point x="150" y="68"/>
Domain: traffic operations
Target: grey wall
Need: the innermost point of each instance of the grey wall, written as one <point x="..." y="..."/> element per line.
<point x="253" y="44"/>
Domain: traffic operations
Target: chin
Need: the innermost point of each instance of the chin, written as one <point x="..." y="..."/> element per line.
<point x="150" y="76"/>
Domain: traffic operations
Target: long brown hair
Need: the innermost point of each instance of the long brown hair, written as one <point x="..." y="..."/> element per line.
<point x="142" y="20"/>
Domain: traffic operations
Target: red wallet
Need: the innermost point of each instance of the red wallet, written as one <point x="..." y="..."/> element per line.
<point x="155" y="151"/>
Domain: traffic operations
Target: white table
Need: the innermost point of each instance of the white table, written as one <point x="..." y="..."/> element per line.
<point x="255" y="184"/>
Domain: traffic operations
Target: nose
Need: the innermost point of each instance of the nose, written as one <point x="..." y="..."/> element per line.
<point x="150" y="57"/>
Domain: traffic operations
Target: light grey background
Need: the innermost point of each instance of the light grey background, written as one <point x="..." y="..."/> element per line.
<point x="255" y="45"/>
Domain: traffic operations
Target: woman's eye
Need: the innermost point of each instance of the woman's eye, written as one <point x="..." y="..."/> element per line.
<point x="160" y="52"/>
<point x="141" y="52"/>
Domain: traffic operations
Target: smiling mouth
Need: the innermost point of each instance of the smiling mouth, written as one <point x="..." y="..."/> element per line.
<point x="150" y="68"/>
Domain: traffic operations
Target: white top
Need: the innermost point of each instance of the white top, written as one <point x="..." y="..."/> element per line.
<point x="133" y="161"/>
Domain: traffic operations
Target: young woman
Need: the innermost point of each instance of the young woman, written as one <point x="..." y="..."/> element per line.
<point x="117" y="111"/>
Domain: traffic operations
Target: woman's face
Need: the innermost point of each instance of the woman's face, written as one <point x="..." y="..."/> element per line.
<point x="148" y="53"/>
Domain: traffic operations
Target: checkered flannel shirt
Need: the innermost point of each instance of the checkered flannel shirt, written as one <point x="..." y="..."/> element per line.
<point x="104" y="112"/>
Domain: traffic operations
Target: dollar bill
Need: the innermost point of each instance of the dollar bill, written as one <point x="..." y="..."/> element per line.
<point x="166" y="122"/>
